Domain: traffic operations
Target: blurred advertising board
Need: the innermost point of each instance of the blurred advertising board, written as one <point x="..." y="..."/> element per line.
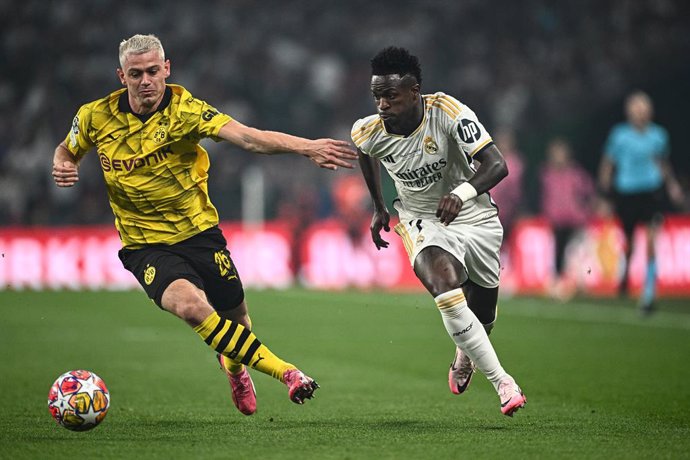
<point x="594" y="258"/>
<point x="330" y="255"/>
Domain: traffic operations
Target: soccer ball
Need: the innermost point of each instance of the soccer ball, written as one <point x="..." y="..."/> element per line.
<point x="78" y="400"/>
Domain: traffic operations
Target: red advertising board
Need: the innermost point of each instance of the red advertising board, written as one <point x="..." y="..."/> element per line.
<point x="332" y="259"/>
<point x="594" y="258"/>
<point x="326" y="256"/>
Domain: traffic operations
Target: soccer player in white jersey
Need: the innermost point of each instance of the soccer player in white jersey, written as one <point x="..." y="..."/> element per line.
<point x="448" y="223"/>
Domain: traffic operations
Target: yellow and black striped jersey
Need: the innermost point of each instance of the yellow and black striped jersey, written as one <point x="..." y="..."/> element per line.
<point x="433" y="160"/>
<point x="155" y="170"/>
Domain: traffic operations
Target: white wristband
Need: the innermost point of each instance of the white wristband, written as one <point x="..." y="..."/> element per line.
<point x="465" y="191"/>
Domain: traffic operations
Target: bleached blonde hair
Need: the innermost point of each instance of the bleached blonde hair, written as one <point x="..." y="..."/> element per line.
<point x="140" y="44"/>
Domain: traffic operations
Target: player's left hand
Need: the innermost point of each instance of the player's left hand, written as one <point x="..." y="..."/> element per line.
<point x="448" y="208"/>
<point x="331" y="153"/>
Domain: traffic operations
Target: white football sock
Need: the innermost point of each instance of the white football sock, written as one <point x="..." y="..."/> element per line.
<point x="463" y="327"/>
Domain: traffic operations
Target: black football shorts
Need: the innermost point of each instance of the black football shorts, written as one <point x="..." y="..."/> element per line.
<point x="203" y="260"/>
<point x="639" y="208"/>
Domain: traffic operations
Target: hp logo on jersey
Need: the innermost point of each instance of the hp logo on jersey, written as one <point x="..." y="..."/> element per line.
<point x="469" y="131"/>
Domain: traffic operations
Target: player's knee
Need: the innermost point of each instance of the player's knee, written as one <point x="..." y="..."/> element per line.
<point x="183" y="300"/>
<point x="193" y="311"/>
<point x="440" y="281"/>
<point x="439" y="272"/>
<point x="438" y="287"/>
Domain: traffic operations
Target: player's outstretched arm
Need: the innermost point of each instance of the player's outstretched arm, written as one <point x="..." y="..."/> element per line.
<point x="492" y="170"/>
<point x="327" y="153"/>
<point x="65" y="168"/>
<point x="381" y="219"/>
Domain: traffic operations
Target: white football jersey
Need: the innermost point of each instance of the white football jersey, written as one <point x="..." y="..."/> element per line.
<point x="433" y="160"/>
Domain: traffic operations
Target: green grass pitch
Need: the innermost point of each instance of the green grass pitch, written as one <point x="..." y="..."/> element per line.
<point x="600" y="382"/>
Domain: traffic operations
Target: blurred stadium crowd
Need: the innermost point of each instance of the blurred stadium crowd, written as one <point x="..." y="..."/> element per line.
<point x="527" y="68"/>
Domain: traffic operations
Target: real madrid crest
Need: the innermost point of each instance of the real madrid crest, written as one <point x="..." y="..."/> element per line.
<point x="430" y="145"/>
<point x="149" y="274"/>
<point x="160" y="134"/>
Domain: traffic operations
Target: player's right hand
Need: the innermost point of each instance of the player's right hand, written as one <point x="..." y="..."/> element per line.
<point x="65" y="174"/>
<point x="380" y="221"/>
<point x="448" y="208"/>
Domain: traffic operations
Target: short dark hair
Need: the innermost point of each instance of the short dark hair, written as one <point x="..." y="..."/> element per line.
<point x="395" y="60"/>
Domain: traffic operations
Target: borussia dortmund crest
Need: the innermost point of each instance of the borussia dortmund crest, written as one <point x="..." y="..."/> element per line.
<point x="149" y="274"/>
<point x="160" y="135"/>
<point x="430" y="146"/>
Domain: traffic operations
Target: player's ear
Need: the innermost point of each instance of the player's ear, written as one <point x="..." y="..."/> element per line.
<point x="121" y="76"/>
<point x="416" y="89"/>
<point x="166" y="66"/>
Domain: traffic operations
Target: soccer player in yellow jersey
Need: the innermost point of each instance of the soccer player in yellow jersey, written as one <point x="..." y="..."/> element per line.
<point x="448" y="222"/>
<point x="147" y="139"/>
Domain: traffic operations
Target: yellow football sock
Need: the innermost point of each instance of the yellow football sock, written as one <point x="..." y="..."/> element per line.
<point x="238" y="343"/>
<point x="230" y="365"/>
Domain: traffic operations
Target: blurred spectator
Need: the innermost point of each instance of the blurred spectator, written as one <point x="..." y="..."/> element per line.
<point x="567" y="195"/>
<point x="351" y="204"/>
<point x="298" y="211"/>
<point x="635" y="169"/>
<point x="508" y="194"/>
<point x="304" y="68"/>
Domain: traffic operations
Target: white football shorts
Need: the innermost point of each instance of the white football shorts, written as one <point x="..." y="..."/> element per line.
<point x="476" y="246"/>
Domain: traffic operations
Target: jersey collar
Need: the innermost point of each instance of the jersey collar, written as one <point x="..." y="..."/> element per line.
<point x="123" y="104"/>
